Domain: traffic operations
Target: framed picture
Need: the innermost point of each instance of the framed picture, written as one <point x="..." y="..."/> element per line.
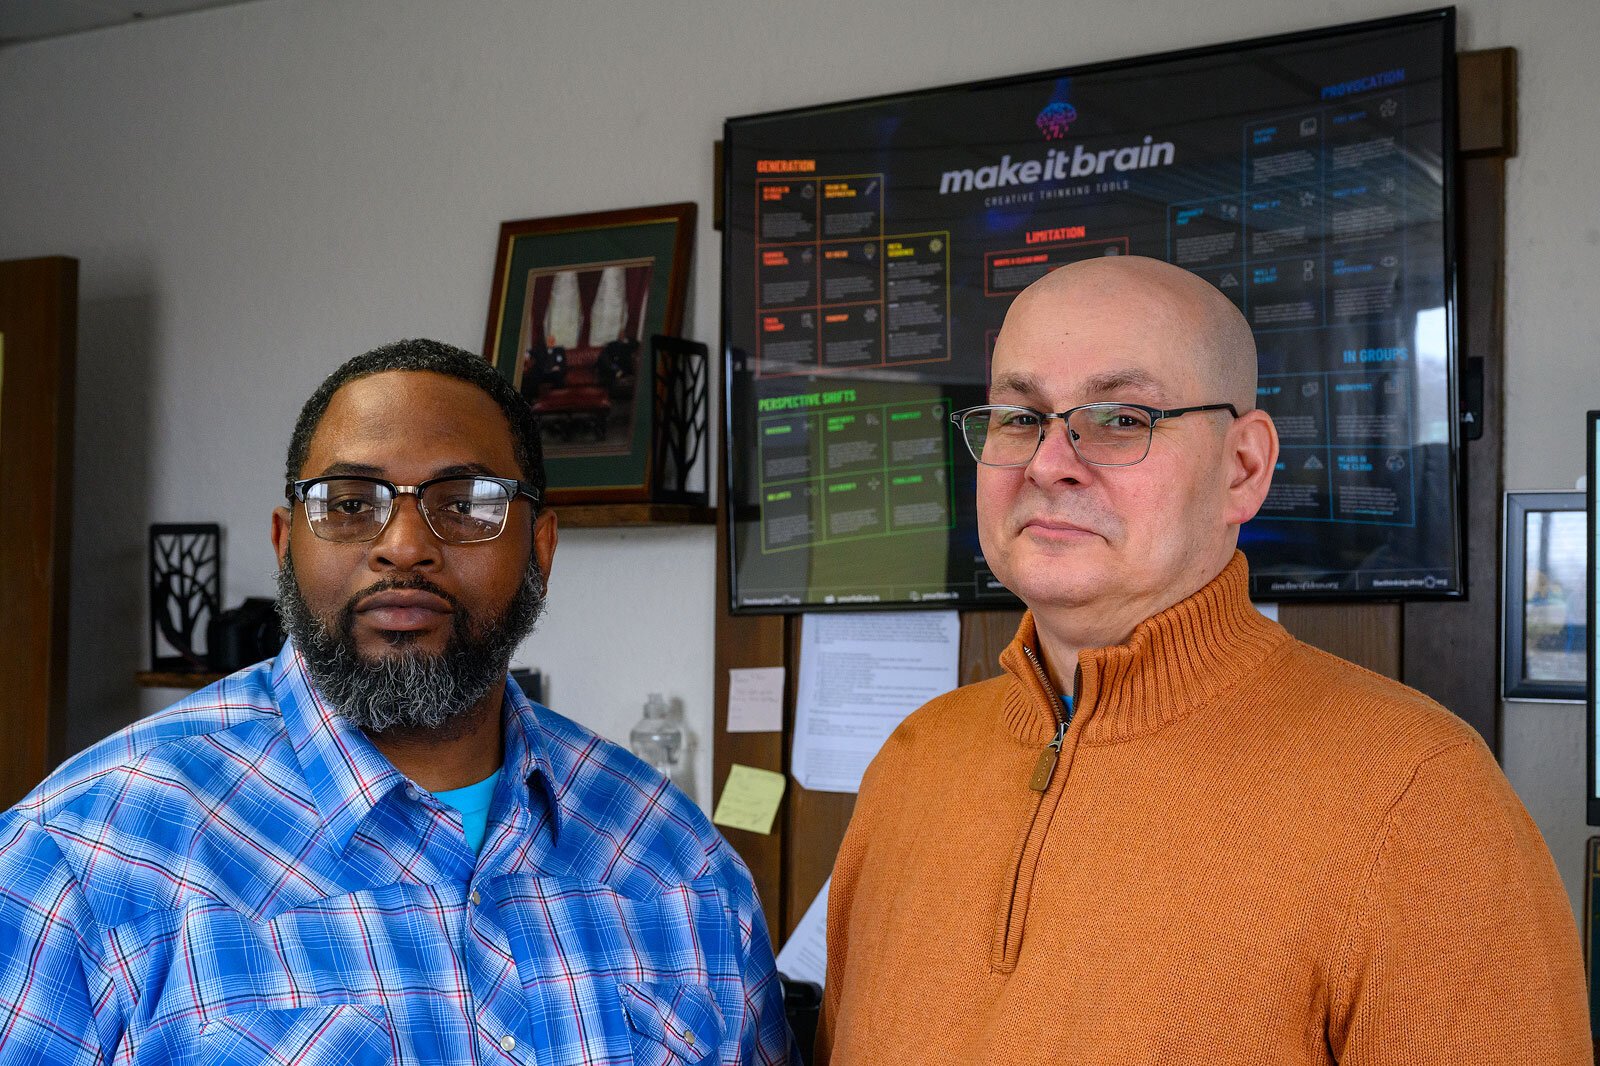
<point x="575" y="301"/>
<point x="1593" y="618"/>
<point x="1545" y="635"/>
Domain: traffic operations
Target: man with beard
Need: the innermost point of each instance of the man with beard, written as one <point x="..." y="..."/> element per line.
<point x="1170" y="833"/>
<point x="374" y="847"/>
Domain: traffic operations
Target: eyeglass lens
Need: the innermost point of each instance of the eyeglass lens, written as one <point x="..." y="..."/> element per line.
<point x="1102" y="434"/>
<point x="458" y="510"/>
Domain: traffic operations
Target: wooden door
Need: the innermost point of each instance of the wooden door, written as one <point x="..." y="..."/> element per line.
<point x="38" y="345"/>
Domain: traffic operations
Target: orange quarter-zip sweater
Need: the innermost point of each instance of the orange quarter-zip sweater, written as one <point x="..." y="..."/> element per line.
<point x="1246" y="851"/>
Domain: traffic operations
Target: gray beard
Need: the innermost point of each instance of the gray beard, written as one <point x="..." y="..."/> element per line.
<point x="408" y="690"/>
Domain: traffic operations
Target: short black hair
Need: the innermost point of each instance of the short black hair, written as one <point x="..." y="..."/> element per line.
<point x="435" y="357"/>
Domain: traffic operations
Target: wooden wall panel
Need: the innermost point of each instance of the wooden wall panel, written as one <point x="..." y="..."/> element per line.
<point x="1367" y="634"/>
<point x="749" y="642"/>
<point x="39" y="320"/>
<point x="1486" y="103"/>
<point x="814" y="822"/>
<point x="984" y="635"/>
<point x="1452" y="648"/>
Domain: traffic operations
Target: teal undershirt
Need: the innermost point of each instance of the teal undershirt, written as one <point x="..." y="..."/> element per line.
<point x="473" y="804"/>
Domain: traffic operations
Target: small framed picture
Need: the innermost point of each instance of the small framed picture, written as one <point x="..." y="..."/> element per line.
<point x="574" y="302"/>
<point x="1545" y="635"/>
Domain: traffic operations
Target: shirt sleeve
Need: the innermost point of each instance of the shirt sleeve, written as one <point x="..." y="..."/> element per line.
<point x="1461" y="944"/>
<point x="765" y="1039"/>
<point x="54" y="994"/>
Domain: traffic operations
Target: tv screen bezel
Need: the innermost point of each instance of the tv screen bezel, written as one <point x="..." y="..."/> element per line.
<point x="1445" y="16"/>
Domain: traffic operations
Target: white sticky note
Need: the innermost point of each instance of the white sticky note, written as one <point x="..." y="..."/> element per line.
<point x="755" y="700"/>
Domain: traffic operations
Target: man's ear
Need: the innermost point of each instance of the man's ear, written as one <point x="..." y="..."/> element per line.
<point x="545" y="536"/>
<point x="282" y="519"/>
<point x="1250" y="457"/>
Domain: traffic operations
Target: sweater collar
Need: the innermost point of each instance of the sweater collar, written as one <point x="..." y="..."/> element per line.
<point x="1173" y="663"/>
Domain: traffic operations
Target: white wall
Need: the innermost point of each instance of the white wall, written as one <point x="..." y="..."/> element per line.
<point x="259" y="191"/>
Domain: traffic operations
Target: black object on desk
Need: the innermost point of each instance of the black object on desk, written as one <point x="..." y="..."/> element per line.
<point x="531" y="682"/>
<point x="802" y="1003"/>
<point x="243" y="635"/>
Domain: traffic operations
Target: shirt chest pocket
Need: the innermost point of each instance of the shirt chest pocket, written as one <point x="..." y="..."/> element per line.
<point x="671" y="1025"/>
<point x="329" y="1035"/>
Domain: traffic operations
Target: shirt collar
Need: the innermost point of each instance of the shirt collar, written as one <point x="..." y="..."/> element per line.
<point x="1173" y="663"/>
<point x="348" y="776"/>
<point x="527" y="753"/>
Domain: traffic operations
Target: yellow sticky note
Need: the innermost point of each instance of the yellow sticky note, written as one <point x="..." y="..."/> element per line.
<point x="750" y="799"/>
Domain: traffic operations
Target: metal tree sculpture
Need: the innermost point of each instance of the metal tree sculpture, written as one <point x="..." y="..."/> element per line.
<point x="681" y="372"/>
<point x="185" y="592"/>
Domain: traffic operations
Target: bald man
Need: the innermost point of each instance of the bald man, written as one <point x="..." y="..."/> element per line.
<point x="1169" y="832"/>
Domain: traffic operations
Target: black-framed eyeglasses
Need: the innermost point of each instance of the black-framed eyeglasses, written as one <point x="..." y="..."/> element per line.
<point x="1103" y="434"/>
<point x="459" y="508"/>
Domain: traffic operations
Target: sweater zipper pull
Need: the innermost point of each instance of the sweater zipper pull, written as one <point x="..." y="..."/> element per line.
<point x="1045" y="768"/>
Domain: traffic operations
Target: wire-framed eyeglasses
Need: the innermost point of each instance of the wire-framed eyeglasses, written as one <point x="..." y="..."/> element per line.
<point x="459" y="508"/>
<point x="1103" y="434"/>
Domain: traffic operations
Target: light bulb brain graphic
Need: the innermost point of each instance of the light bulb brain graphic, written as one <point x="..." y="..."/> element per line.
<point x="1056" y="119"/>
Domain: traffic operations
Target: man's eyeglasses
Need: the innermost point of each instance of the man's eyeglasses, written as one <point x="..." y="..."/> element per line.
<point x="1103" y="434"/>
<point x="460" y="509"/>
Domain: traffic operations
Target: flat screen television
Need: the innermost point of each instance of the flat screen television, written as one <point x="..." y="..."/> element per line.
<point x="871" y="248"/>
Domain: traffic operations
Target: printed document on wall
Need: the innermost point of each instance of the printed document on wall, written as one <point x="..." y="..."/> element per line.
<point x="860" y="675"/>
<point x="805" y="954"/>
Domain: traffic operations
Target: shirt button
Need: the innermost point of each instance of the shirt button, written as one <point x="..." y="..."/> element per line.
<point x="688" y="1037"/>
<point x="413" y="795"/>
<point x="508" y="1043"/>
<point x="475" y="901"/>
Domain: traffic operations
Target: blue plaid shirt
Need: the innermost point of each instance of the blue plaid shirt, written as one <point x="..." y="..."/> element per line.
<point x="245" y="878"/>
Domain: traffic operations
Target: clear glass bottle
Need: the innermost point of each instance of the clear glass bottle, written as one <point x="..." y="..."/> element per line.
<point x="658" y="738"/>
<point x="683" y="774"/>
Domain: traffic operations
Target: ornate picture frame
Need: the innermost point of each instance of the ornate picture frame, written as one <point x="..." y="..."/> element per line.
<point x="574" y="303"/>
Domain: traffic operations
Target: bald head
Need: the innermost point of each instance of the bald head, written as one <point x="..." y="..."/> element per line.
<point x="1199" y="326"/>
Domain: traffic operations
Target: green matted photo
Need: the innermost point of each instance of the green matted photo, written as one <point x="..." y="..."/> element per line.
<point x="575" y="301"/>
